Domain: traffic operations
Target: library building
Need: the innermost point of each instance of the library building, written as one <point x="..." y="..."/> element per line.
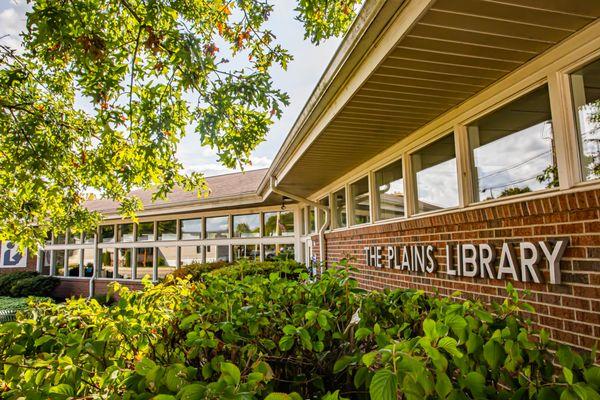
<point x="449" y="146"/>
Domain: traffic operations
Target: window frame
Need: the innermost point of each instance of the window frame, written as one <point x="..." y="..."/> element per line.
<point x="350" y="212"/>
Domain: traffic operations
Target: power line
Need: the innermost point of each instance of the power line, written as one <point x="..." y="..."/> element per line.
<point x="514" y="165"/>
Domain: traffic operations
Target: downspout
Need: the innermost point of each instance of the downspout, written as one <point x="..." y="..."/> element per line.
<point x="322" y="247"/>
<point x="94" y="268"/>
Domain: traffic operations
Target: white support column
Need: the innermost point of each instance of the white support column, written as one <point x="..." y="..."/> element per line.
<point x="39" y="262"/>
<point x="66" y="263"/>
<point x="53" y="262"/>
<point x="298" y="232"/>
<point x="178" y="257"/>
<point x="410" y="187"/>
<point x="349" y="206"/>
<point x="564" y="128"/>
<point x="373" y="197"/>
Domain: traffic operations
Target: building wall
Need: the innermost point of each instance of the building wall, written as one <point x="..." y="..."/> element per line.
<point x="79" y="287"/>
<point x="570" y="310"/>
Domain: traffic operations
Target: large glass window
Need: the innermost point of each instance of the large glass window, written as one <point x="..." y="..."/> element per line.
<point x="145" y="231"/>
<point x="276" y="252"/>
<point x="390" y="191"/>
<point x="74" y="238"/>
<point x="435" y="175"/>
<point x="125" y="232"/>
<point x="339" y="208"/>
<point x="217" y="253"/>
<point x="217" y="227"/>
<point x="191" y="229"/>
<point x="107" y="267"/>
<point x="325" y="202"/>
<point x="46" y="264"/>
<point x="246" y="251"/>
<point x="124" y="261"/>
<point x="279" y="223"/>
<point x="585" y="85"/>
<point x="246" y="225"/>
<point x="512" y="148"/>
<point x="167" y="230"/>
<point x="59" y="262"/>
<point x="359" y="196"/>
<point x="166" y="261"/>
<point x="73" y="261"/>
<point x="191" y="255"/>
<point x="144" y="262"/>
<point x="88" y="237"/>
<point x="60" y="238"/>
<point x="107" y="233"/>
<point x="88" y="262"/>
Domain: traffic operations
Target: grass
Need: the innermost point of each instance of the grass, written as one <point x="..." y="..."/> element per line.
<point x="14" y="303"/>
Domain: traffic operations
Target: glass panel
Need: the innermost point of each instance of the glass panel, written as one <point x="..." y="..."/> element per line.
<point x="512" y="148"/>
<point x="191" y="255"/>
<point x="359" y="191"/>
<point x="46" y="264"/>
<point x="339" y="208"/>
<point x="74" y="238"/>
<point x="191" y="229"/>
<point x="124" y="267"/>
<point x="585" y="85"/>
<point x="324" y="201"/>
<point x="275" y="252"/>
<point x="166" y="230"/>
<point x="108" y="262"/>
<point x="59" y="238"/>
<point x="88" y="237"/>
<point x="246" y="251"/>
<point x="88" y="262"/>
<point x="59" y="262"/>
<point x="166" y="260"/>
<point x="312" y="224"/>
<point x="125" y="232"/>
<point x="435" y="175"/>
<point x="390" y="191"/>
<point x="246" y="225"/>
<point x="107" y="234"/>
<point x="143" y="262"/>
<point x="279" y="223"/>
<point x="145" y="231"/>
<point x="217" y="253"/>
<point x="217" y="227"/>
<point x="48" y="238"/>
<point x="73" y="260"/>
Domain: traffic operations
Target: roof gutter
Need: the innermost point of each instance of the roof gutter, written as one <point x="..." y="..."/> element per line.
<point x="322" y="247"/>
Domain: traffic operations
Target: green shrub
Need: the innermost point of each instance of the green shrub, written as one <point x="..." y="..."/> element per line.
<point x="196" y="270"/>
<point x="267" y="337"/>
<point x="34" y="286"/>
<point x="11" y="303"/>
<point x="8" y="280"/>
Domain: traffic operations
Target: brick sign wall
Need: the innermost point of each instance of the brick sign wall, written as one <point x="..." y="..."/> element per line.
<point x="569" y="310"/>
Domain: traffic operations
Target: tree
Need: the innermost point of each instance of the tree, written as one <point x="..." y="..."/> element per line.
<point x="146" y="70"/>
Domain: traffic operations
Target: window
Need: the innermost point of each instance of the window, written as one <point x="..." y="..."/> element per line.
<point x="279" y="223"/>
<point x="246" y="251"/>
<point x="246" y="225"/>
<point x="585" y="85"/>
<point x="321" y="213"/>
<point x="145" y="231"/>
<point x="48" y="240"/>
<point x="339" y="208"/>
<point x="512" y="148"/>
<point x="107" y="234"/>
<point x="217" y="253"/>
<point x="191" y="255"/>
<point x="88" y="262"/>
<point x="312" y="225"/>
<point x="124" y="264"/>
<point x="390" y="191"/>
<point x="73" y="260"/>
<point x="166" y="261"/>
<point x="217" y="227"/>
<point x="107" y="260"/>
<point x="144" y="262"/>
<point x="74" y="238"/>
<point x="359" y="195"/>
<point x="47" y="262"/>
<point x="435" y="175"/>
<point x="59" y="262"/>
<point x="167" y="230"/>
<point x="88" y="237"/>
<point x="191" y="229"/>
<point x="59" y="238"/>
<point x="277" y="252"/>
<point x="125" y="232"/>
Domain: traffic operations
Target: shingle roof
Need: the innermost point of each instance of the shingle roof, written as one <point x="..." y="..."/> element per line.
<point x="221" y="186"/>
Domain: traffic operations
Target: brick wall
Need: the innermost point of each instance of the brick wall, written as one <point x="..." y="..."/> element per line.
<point x="79" y="287"/>
<point x="570" y="310"/>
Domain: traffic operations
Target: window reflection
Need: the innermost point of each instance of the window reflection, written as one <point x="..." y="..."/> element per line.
<point x="280" y="223"/>
<point x="246" y="251"/>
<point x="107" y="260"/>
<point x="145" y="231"/>
<point x="246" y="225"/>
<point x="125" y="232"/>
<point x="217" y="253"/>
<point x="359" y="192"/>
<point x="390" y="191"/>
<point x="167" y="230"/>
<point x="217" y="227"/>
<point x="143" y="262"/>
<point x="191" y="229"/>
<point x="339" y="208"/>
<point x="166" y="261"/>
<point x="278" y="252"/>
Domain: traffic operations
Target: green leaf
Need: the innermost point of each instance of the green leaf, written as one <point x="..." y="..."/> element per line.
<point x="286" y="343"/>
<point x="592" y="376"/>
<point x="450" y="346"/>
<point x="341" y="364"/>
<point x="493" y="353"/>
<point x="278" y="396"/>
<point x="322" y="320"/>
<point x="475" y="382"/>
<point x="145" y="366"/>
<point x="384" y="385"/>
<point x="231" y="373"/>
<point x="568" y="374"/>
<point x="362" y="333"/>
<point x="191" y="392"/>
<point x="429" y="329"/>
<point x="443" y="386"/>
<point x="63" y="388"/>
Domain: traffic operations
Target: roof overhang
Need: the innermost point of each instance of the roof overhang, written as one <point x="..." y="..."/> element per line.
<point x="404" y="64"/>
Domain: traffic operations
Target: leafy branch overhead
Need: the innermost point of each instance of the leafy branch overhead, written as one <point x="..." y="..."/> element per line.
<point x="103" y="91"/>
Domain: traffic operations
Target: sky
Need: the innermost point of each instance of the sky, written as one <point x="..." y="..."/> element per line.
<point x="298" y="81"/>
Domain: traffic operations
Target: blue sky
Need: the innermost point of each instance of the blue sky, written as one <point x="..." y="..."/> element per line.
<point x="298" y="81"/>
